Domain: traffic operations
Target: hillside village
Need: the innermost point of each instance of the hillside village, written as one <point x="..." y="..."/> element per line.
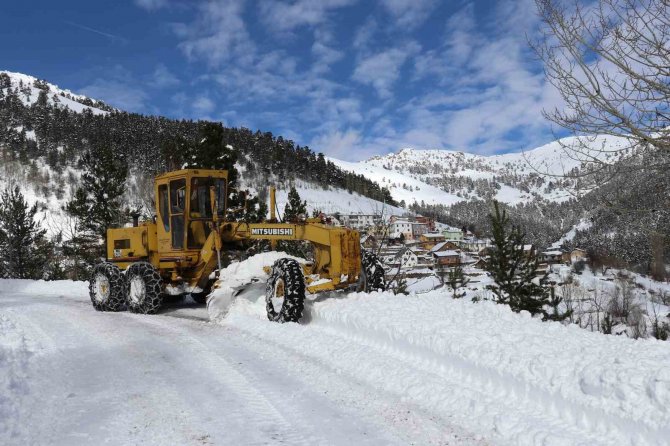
<point x="416" y="247"/>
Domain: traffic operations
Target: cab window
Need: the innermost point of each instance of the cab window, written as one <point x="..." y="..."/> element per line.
<point x="177" y="203"/>
<point x="200" y="202"/>
<point x="163" y="206"/>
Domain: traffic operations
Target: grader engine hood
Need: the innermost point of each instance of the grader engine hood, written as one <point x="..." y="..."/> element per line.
<point x="126" y="245"/>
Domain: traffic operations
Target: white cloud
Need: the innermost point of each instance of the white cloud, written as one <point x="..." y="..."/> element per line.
<point x="203" y="105"/>
<point x="475" y="88"/>
<point x="343" y="145"/>
<point x="218" y="34"/>
<point x="324" y="52"/>
<point x="163" y="77"/>
<point x="118" y="87"/>
<point x="382" y="70"/>
<point x="365" y="33"/>
<point x="291" y="14"/>
<point x="489" y="93"/>
<point x="151" y="5"/>
<point x="122" y="95"/>
<point x="409" y="13"/>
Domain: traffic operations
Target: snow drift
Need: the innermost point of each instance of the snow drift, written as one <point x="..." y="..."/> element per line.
<point x="520" y="380"/>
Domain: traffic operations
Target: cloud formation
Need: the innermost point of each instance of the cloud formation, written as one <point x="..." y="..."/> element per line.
<point x="357" y="78"/>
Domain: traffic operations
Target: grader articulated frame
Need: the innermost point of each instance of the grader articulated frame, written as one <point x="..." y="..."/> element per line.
<point x="182" y="247"/>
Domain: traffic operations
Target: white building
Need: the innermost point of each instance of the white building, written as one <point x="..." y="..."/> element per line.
<point x="361" y="221"/>
<point x="409" y="259"/>
<point x="399" y="227"/>
<point x="475" y="244"/>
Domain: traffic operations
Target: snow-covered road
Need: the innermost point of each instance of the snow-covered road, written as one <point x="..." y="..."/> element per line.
<point x="73" y="376"/>
<point x="362" y="369"/>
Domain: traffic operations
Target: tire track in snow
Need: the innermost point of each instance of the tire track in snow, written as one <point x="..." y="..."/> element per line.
<point x="404" y="417"/>
<point x="545" y="416"/>
<point x="240" y="407"/>
<point x="15" y="357"/>
<point x="255" y="397"/>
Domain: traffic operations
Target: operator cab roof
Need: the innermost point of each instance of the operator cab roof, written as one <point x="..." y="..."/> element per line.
<point x="216" y="173"/>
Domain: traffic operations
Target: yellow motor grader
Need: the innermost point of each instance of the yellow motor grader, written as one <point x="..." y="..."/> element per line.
<point x="180" y="251"/>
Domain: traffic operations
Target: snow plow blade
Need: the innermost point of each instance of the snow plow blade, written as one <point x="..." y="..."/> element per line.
<point x="222" y="298"/>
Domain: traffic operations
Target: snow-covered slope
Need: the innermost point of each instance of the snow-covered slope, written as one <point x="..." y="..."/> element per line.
<point x="445" y="177"/>
<point x="332" y="200"/>
<point x="30" y="88"/>
<point x="403" y="187"/>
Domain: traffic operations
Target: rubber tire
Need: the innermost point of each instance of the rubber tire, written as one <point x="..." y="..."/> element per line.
<point x="151" y="300"/>
<point x="373" y="276"/>
<point x="290" y="271"/>
<point x="116" y="300"/>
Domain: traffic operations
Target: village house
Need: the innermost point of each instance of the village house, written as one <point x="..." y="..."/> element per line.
<point x="444" y="246"/>
<point x="551" y="257"/>
<point x="429" y="222"/>
<point x="369" y="241"/>
<point x="407" y="258"/>
<point x="360" y="221"/>
<point x="418" y="229"/>
<point x="452" y="234"/>
<point x="399" y="227"/>
<point x="474" y="244"/>
<point x="446" y="259"/>
<point x="430" y="239"/>
<point x="576" y="255"/>
<point x="529" y="250"/>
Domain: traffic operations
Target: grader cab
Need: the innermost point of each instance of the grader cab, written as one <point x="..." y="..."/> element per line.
<point x="181" y="249"/>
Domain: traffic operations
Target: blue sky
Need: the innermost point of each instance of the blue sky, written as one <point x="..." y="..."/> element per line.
<point x="350" y="78"/>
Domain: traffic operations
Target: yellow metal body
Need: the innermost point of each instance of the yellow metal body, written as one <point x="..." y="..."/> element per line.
<point x="190" y="230"/>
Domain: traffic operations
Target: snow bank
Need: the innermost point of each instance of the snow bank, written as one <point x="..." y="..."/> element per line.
<point x="506" y="375"/>
<point x="44" y="288"/>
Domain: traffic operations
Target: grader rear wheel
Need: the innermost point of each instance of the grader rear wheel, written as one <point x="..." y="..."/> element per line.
<point x="107" y="288"/>
<point x="144" y="288"/>
<point x="285" y="291"/>
<point x="372" y="273"/>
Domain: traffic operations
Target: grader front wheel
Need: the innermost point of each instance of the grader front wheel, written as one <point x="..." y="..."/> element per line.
<point x="285" y="291"/>
<point x="144" y="288"/>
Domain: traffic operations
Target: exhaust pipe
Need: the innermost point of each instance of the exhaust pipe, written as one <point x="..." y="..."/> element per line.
<point x="136" y="219"/>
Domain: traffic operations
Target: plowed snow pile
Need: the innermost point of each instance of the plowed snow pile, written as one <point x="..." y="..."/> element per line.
<point x="510" y="377"/>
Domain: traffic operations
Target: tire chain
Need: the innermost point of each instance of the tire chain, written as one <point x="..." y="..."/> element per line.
<point x="294" y="291"/>
<point x="117" y="287"/>
<point x="153" y="286"/>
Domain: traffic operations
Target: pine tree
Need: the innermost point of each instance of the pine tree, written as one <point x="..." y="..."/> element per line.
<point x="456" y="279"/>
<point x="83" y="249"/>
<point x="292" y="210"/>
<point x="554" y="303"/>
<point x="295" y="206"/>
<point x="512" y="269"/>
<point x="24" y="250"/>
<point x="97" y="204"/>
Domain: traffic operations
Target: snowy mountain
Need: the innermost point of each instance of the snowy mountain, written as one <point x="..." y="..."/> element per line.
<point x="44" y="129"/>
<point x="30" y="88"/>
<point x="447" y="177"/>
